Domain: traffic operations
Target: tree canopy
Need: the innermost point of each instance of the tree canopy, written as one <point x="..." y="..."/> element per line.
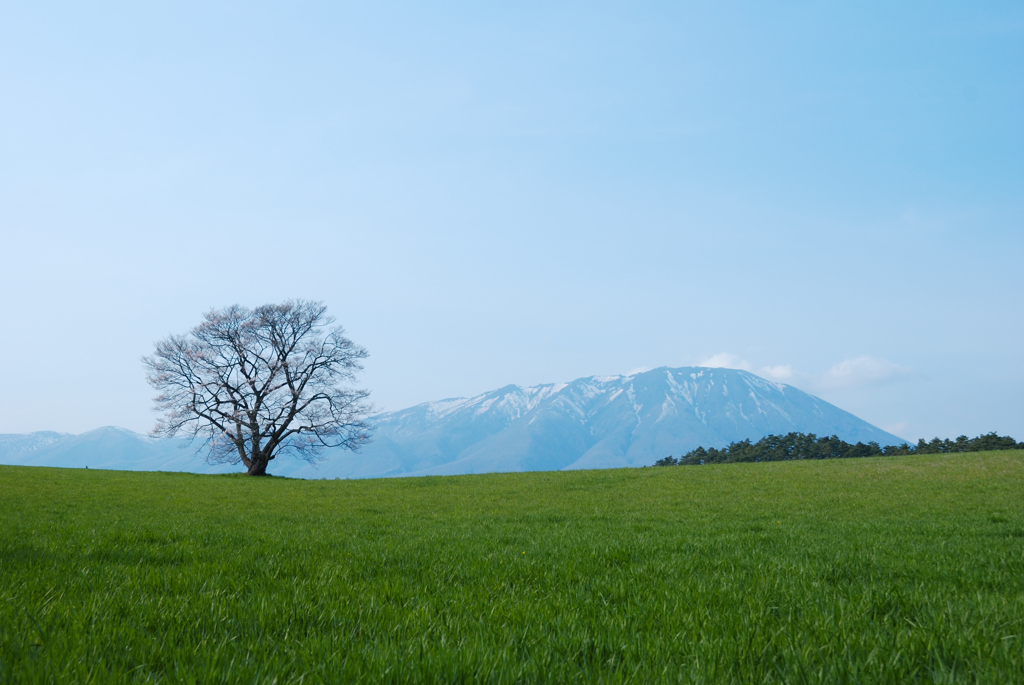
<point x="258" y="383"/>
<point x="809" y="446"/>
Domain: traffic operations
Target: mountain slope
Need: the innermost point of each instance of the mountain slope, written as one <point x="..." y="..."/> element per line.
<point x="595" y="422"/>
<point x="103" y="448"/>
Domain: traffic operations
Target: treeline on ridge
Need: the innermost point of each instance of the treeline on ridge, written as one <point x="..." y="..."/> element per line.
<point x="809" y="446"/>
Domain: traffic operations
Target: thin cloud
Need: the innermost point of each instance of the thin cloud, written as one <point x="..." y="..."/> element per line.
<point x="724" y="360"/>
<point x="863" y="371"/>
<point x="727" y="360"/>
<point x="782" y="372"/>
<point x="896" y="429"/>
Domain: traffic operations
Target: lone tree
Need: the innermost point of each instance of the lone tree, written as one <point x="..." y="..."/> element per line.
<point x="258" y="383"/>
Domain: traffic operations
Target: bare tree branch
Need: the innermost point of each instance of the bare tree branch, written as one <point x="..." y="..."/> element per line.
<point x="256" y="384"/>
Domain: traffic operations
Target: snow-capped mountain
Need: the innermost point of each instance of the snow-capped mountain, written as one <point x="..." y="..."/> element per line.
<point x="595" y="422"/>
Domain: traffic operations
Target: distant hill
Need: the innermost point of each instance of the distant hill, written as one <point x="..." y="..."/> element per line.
<point x="594" y="422"/>
<point x="104" y="448"/>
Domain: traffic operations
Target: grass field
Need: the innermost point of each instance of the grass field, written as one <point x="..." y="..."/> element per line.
<point x="884" y="570"/>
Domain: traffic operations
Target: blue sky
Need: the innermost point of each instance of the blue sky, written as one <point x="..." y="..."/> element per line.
<point x="827" y="194"/>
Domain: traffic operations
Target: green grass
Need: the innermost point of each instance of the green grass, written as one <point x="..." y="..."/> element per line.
<point x="905" y="569"/>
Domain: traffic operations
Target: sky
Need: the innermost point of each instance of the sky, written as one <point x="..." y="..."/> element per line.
<point x="830" y="195"/>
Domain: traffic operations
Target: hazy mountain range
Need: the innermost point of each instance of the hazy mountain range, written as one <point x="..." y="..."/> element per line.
<point x="594" y="422"/>
<point x="104" y="448"/>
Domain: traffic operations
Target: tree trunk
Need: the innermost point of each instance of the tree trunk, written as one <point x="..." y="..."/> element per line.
<point x="258" y="467"/>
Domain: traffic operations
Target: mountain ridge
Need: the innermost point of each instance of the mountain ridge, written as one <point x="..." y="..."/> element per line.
<point x="611" y="411"/>
<point x="591" y="422"/>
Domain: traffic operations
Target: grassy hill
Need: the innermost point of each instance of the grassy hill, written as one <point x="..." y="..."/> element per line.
<point x="870" y="570"/>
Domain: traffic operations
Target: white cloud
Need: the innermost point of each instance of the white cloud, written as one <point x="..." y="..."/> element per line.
<point x="863" y="370"/>
<point x="724" y="360"/>
<point x="781" y="372"/>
